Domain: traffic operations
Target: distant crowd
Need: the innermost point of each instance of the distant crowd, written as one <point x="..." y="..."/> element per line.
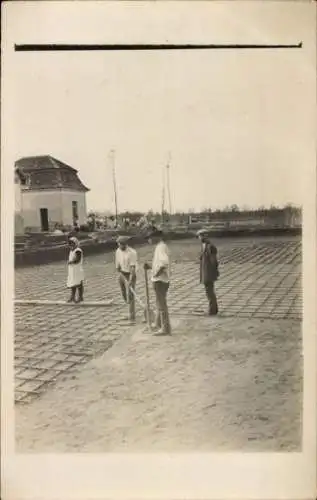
<point x="98" y="223"/>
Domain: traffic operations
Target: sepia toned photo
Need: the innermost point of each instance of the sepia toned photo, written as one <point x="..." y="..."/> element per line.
<point x="158" y="244"/>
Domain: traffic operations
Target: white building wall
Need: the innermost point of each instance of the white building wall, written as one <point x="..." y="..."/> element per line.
<point x="18" y="218"/>
<point x="68" y="198"/>
<point x="58" y="204"/>
<point x="18" y="224"/>
<point x="17" y="197"/>
<point x="33" y="201"/>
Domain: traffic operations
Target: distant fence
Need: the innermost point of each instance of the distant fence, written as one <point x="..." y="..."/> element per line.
<point x="281" y="219"/>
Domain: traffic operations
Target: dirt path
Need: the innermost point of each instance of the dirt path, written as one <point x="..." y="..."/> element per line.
<point x="215" y="385"/>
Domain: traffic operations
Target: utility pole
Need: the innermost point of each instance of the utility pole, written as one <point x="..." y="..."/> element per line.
<point x="168" y="183"/>
<point x="163" y="196"/>
<point x="112" y="159"/>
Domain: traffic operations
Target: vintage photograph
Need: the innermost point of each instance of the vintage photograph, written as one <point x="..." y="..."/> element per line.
<point x="158" y="244"/>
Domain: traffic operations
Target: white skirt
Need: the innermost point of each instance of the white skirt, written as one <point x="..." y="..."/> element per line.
<point x="75" y="275"/>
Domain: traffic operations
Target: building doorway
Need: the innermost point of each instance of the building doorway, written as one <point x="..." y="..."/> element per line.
<point x="44" y="219"/>
<point x="75" y="212"/>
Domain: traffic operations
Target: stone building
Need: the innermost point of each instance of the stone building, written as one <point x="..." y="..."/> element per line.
<point x="19" y="182"/>
<point x="52" y="194"/>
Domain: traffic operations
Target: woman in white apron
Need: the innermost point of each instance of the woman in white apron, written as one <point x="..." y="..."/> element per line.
<point x="75" y="271"/>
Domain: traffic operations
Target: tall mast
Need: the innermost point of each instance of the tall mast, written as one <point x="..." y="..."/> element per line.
<point x="112" y="158"/>
<point x="163" y="196"/>
<point x="168" y="183"/>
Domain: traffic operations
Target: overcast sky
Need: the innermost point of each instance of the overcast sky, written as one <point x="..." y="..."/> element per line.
<point x="238" y="124"/>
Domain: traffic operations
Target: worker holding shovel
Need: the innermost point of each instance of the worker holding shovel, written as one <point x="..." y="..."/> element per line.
<point x="161" y="280"/>
<point x="126" y="263"/>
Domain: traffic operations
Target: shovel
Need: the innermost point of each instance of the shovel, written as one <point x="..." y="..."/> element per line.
<point x="149" y="312"/>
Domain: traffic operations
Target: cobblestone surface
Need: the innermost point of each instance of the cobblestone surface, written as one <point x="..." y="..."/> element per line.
<point x="218" y="384"/>
<point x="259" y="278"/>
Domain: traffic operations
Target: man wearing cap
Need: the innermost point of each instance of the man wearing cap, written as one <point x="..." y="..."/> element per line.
<point x="161" y="281"/>
<point x="208" y="270"/>
<point x="126" y="263"/>
<point x="75" y="277"/>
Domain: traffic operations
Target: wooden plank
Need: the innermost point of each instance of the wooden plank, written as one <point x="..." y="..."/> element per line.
<point x="62" y="303"/>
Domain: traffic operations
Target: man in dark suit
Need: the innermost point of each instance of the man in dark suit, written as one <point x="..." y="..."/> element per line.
<point x="208" y="270"/>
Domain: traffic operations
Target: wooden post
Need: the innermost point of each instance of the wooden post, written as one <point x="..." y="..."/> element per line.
<point x="112" y="153"/>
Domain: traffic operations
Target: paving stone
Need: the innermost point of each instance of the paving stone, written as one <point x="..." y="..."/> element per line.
<point x="31" y="386"/>
<point x="63" y="365"/>
<point x="68" y="343"/>
<point x="29" y="373"/>
<point x="45" y="354"/>
<point x="75" y="359"/>
<point x="28" y="398"/>
<point x="46" y="364"/>
<point x="75" y="351"/>
<point x="60" y="357"/>
<point x="19" y="382"/>
<point x="20" y="353"/>
<point x="48" y="375"/>
<point x="19" y="395"/>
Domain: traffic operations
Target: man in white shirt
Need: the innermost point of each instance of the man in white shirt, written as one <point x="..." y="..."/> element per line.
<point x="161" y="281"/>
<point x="126" y="263"/>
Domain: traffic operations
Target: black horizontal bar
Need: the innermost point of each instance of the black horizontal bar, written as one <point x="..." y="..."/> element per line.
<point x="145" y="47"/>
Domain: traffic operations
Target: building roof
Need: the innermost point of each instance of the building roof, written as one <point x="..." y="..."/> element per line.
<point x="21" y="176"/>
<point x="31" y="163"/>
<point x="46" y="172"/>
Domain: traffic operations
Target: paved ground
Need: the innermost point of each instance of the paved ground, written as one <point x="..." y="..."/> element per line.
<point x="215" y="385"/>
<point x="260" y="282"/>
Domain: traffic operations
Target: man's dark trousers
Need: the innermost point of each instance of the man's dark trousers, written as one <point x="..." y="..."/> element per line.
<point x="128" y="298"/>
<point x="162" y="315"/>
<point x="212" y="299"/>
